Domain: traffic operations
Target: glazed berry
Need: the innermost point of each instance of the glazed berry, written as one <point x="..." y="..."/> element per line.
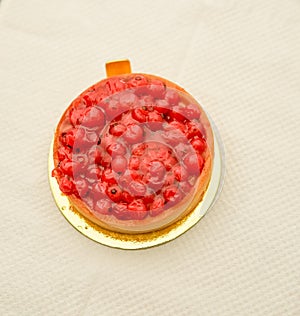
<point x="64" y="153"/>
<point x="157" y="206"/>
<point x="137" y="188"/>
<point x="119" y="164"/>
<point x="133" y="134"/>
<point x="157" y="89"/>
<point x="81" y="187"/>
<point x="117" y="129"/>
<point x="172" y="97"/>
<point x="103" y="206"/>
<point x="155" y="120"/>
<point x="192" y="112"/>
<point x="193" y="163"/>
<point x="137" y="209"/>
<point x="99" y="190"/>
<point x="116" y="148"/>
<point x="162" y="106"/>
<point x="180" y="173"/>
<point x="120" y="211"/>
<point x="114" y="85"/>
<point x="93" y="117"/>
<point x="114" y="192"/>
<point x="108" y="176"/>
<point x="157" y="169"/>
<point x="66" y="186"/>
<point x="193" y="129"/>
<point x="198" y="144"/>
<point x="140" y="114"/>
<point x="172" y="194"/>
<point x="134" y="163"/>
<point x="93" y="173"/>
<point x="127" y="197"/>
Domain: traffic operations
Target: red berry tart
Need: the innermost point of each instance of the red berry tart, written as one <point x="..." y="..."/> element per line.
<point x="133" y="153"/>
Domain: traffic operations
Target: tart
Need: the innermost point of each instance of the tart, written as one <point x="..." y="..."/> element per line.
<point x="133" y="153"/>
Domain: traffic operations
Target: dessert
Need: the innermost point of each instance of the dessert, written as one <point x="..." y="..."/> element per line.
<point x="133" y="153"/>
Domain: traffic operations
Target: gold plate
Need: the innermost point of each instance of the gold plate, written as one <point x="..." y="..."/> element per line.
<point x="146" y="240"/>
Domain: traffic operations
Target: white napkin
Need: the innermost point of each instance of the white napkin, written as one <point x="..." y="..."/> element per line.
<point x="241" y="59"/>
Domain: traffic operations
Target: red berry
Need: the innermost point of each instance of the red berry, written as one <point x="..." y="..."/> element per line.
<point x="178" y="113"/>
<point x="149" y="197"/>
<point x="193" y="129"/>
<point x="180" y="173"/>
<point x="66" y="186"/>
<point x="94" y="117"/>
<point x="172" y="195"/>
<point x="114" y="85"/>
<point x="117" y="129"/>
<point x="174" y="137"/>
<point x="127" y="99"/>
<point x="154" y="120"/>
<point x="116" y="149"/>
<point x="103" y="206"/>
<point x="120" y="211"/>
<point x="137" y="188"/>
<point x="157" y="169"/>
<point x="127" y="197"/>
<point x="133" y="134"/>
<point x="99" y="190"/>
<point x="108" y="176"/>
<point x="170" y="179"/>
<point x="193" y="163"/>
<point x="199" y="144"/>
<point x="64" y="153"/>
<point x="56" y="173"/>
<point x="134" y="163"/>
<point x="157" y="206"/>
<point x="162" y="106"/>
<point x="76" y="116"/>
<point x="114" y="192"/>
<point x="81" y="187"/>
<point x="138" y="82"/>
<point x="172" y="97"/>
<point x="93" y="173"/>
<point x="175" y="125"/>
<point x="138" y="209"/>
<point x="140" y="114"/>
<point x="119" y="164"/>
<point x="192" y="111"/>
<point x="68" y="138"/>
<point x="170" y="162"/>
<point x="66" y="167"/>
<point x="157" y="89"/>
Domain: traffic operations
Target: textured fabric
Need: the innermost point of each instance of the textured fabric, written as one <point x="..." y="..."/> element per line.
<point x="241" y="59"/>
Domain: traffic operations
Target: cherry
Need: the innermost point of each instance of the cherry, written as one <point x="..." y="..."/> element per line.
<point x="174" y="137"/>
<point x="139" y="150"/>
<point x="114" y="85"/>
<point x="113" y="108"/>
<point x="193" y="129"/>
<point x="134" y="163"/>
<point x="140" y="114"/>
<point x="157" y="169"/>
<point x="56" y="173"/>
<point x="94" y="117"/>
<point x="185" y="187"/>
<point x="66" y="167"/>
<point x="108" y="176"/>
<point x="175" y="125"/>
<point x="138" y="209"/>
<point x="149" y="197"/>
<point x="192" y="112"/>
<point x="170" y="162"/>
<point x="127" y="197"/>
<point x="172" y="194"/>
<point x="137" y="188"/>
<point x="170" y="179"/>
<point x="157" y="206"/>
<point x="103" y="206"/>
<point x="133" y="134"/>
<point x="66" y="186"/>
<point x="99" y="190"/>
<point x="178" y="113"/>
<point x="119" y="164"/>
<point x="157" y="89"/>
<point x="154" y="120"/>
<point x="68" y="138"/>
<point x="106" y="160"/>
<point x="199" y="144"/>
<point x="138" y="82"/>
<point x="117" y="129"/>
<point x="114" y="192"/>
<point x="120" y="211"/>
<point x="162" y="106"/>
<point x="172" y="97"/>
<point x="127" y="99"/>
<point x="76" y="116"/>
<point x="116" y="148"/>
<point x="64" y="153"/>
<point x="93" y="173"/>
<point x="193" y="163"/>
<point x="180" y="173"/>
<point x="81" y="187"/>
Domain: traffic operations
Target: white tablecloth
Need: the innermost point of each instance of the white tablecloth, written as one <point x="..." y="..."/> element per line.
<point x="242" y="59"/>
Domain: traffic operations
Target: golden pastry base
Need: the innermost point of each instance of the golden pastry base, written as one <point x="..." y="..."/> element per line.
<point x="146" y="240"/>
